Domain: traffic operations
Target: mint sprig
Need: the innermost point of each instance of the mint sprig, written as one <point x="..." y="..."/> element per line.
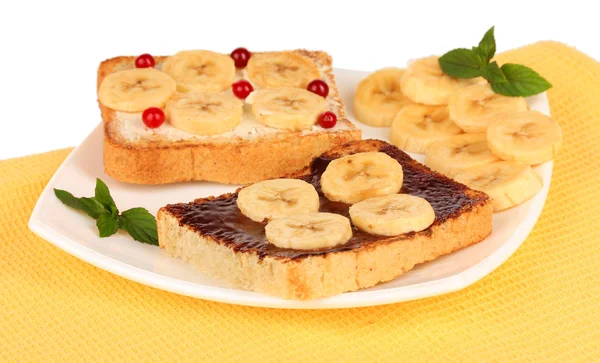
<point x="509" y="80"/>
<point x="138" y="222"/>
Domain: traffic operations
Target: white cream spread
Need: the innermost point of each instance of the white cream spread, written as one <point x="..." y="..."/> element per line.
<point x="132" y="128"/>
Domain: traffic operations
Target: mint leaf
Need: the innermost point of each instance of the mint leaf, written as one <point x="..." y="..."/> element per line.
<point x="493" y="73"/>
<point x="487" y="45"/>
<point x="520" y="81"/>
<point x="91" y="207"/>
<point x="107" y="224"/>
<point x="140" y="224"/>
<point x="102" y="195"/>
<point x="461" y="63"/>
<point x="67" y="198"/>
<point x="88" y="205"/>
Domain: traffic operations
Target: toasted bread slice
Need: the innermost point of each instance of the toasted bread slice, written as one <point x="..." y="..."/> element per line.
<point x="248" y="154"/>
<point x="212" y="234"/>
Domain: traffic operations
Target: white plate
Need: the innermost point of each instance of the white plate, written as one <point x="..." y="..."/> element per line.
<point x="76" y="233"/>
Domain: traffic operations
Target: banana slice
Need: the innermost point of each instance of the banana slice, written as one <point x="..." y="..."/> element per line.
<point x="287" y="108"/>
<point x="309" y="231"/>
<point x="392" y="215"/>
<point x="277" y="198"/>
<point x="134" y="90"/>
<point x="379" y="97"/>
<point x="529" y="137"/>
<point x="281" y="69"/>
<point x="425" y="82"/>
<point x="204" y="113"/>
<point x="458" y="153"/>
<point x="508" y="183"/>
<point x="415" y="127"/>
<point x="200" y="70"/>
<point x="475" y="107"/>
<point x="357" y="177"/>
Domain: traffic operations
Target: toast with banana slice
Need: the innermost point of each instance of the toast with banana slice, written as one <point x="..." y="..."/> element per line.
<point x="299" y="238"/>
<point x="206" y="133"/>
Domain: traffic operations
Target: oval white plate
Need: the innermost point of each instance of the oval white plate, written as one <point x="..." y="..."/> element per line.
<point x="76" y="233"/>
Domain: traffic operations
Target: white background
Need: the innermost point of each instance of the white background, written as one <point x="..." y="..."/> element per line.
<point x="50" y="49"/>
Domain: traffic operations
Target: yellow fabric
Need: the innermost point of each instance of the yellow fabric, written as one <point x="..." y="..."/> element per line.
<point x="542" y="304"/>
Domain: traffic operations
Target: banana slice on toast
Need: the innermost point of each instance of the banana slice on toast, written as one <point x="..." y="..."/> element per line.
<point x="351" y="179"/>
<point x="134" y="90"/>
<point x="415" y="127"/>
<point x="379" y="97"/>
<point x="425" y="82"/>
<point x="277" y="198"/>
<point x="200" y="70"/>
<point x="392" y="215"/>
<point x="309" y="231"/>
<point x="508" y="183"/>
<point x="204" y="113"/>
<point x="458" y="153"/>
<point x="281" y="69"/>
<point x="287" y="108"/>
<point x="475" y="107"/>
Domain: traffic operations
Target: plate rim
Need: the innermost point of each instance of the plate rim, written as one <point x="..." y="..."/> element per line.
<point x="360" y="298"/>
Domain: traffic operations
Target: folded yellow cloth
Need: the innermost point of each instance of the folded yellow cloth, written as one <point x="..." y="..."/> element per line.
<point x="542" y="304"/>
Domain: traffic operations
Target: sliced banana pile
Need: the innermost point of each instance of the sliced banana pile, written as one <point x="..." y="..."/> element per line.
<point x="460" y="125"/>
<point x="194" y="91"/>
<point x="369" y="181"/>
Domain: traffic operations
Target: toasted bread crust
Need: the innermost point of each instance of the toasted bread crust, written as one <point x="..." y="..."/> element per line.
<point x="321" y="275"/>
<point x="237" y="162"/>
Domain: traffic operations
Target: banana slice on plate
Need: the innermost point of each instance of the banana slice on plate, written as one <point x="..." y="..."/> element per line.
<point x="475" y="107"/>
<point x="458" y="153"/>
<point x="529" y="137"/>
<point x="277" y="198"/>
<point x="309" y="231"/>
<point x="351" y="179"/>
<point x="508" y="183"/>
<point x="287" y="108"/>
<point x="391" y="215"/>
<point x="134" y="90"/>
<point x="204" y="113"/>
<point x="281" y="69"/>
<point x="379" y="97"/>
<point x="200" y="70"/>
<point x="425" y="82"/>
<point x="415" y="127"/>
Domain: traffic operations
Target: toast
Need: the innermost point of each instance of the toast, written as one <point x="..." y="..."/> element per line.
<point x="249" y="153"/>
<point x="212" y="234"/>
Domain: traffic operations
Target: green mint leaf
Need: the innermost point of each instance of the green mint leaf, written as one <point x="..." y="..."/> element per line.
<point x="487" y="45"/>
<point x="461" y="63"/>
<point x="103" y="196"/>
<point x="493" y="73"/>
<point x="140" y="224"/>
<point x="520" y="81"/>
<point x="67" y="198"/>
<point x="107" y="224"/>
<point x="89" y="205"/>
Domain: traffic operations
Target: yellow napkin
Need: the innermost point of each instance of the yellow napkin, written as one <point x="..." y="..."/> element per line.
<point x="542" y="304"/>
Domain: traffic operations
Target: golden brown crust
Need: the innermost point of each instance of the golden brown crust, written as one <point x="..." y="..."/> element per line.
<point x="335" y="272"/>
<point x="240" y="161"/>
